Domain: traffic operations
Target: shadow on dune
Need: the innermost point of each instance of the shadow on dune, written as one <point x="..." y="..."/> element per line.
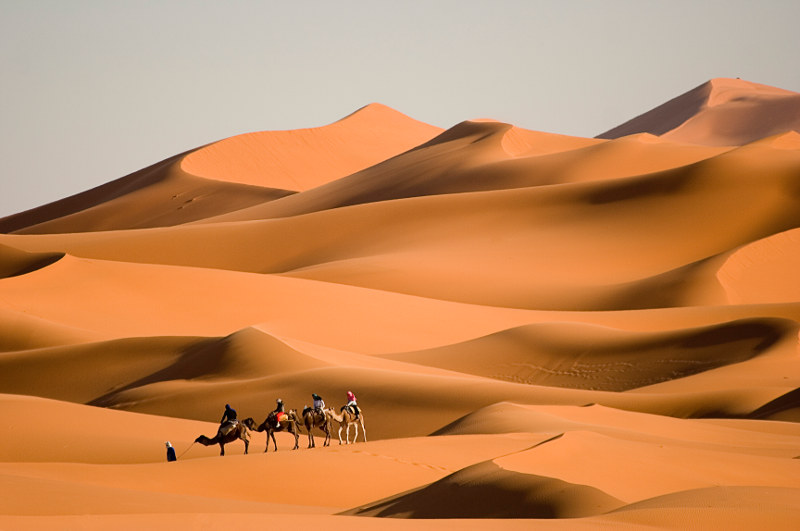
<point x="15" y="262"/>
<point x="786" y="407"/>
<point x="593" y="358"/>
<point x="160" y="195"/>
<point x="245" y="354"/>
<point x="196" y="360"/>
<point x="485" y="490"/>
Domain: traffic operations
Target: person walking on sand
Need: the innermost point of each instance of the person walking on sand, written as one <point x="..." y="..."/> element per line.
<point x="351" y="402"/>
<point x="170" y="452"/>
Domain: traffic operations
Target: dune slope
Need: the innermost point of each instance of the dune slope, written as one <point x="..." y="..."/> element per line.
<point x="542" y="331"/>
<point x="720" y="112"/>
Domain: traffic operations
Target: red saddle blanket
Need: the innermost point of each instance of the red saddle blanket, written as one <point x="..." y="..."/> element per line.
<point x="280" y="416"/>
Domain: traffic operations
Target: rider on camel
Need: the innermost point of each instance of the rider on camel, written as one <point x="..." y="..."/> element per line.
<point x="279" y="412"/>
<point x="229" y="416"/>
<point x="319" y="403"/>
<point x="351" y="402"/>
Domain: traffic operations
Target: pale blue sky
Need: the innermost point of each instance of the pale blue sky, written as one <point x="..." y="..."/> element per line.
<point x="95" y="89"/>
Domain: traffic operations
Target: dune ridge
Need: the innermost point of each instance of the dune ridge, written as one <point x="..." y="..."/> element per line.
<point x="720" y="112"/>
<point x="543" y="331"/>
<point x="301" y="159"/>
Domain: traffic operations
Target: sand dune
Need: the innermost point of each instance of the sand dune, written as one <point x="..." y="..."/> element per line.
<point x="485" y="156"/>
<point x="230" y="175"/>
<point x="542" y="330"/>
<point x="720" y="112"/>
<point x="21" y="331"/>
<point x="161" y="195"/>
<point x="750" y="274"/>
<point x="445" y="246"/>
<point x="589" y="357"/>
<point x="488" y="491"/>
<point x="301" y="159"/>
<point x="16" y="262"/>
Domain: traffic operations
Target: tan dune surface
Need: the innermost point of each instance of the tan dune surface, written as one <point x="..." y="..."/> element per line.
<point x="543" y="331"/>
<point x="720" y="112"/>
<point x="160" y="195"/>
<point x="301" y="159"/>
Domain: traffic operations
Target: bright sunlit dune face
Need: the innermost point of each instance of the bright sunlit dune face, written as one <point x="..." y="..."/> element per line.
<point x="541" y="330"/>
<point x="764" y="271"/>
<point x="304" y="158"/>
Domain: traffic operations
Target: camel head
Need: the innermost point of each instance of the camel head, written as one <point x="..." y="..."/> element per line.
<point x="250" y="423"/>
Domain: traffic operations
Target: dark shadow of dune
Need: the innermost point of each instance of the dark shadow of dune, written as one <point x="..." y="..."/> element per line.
<point x="592" y="358"/>
<point x="247" y="353"/>
<point x="15" y="262"/>
<point x="786" y="407"/>
<point x="161" y="195"/>
<point x="665" y="117"/>
<point x="485" y="490"/>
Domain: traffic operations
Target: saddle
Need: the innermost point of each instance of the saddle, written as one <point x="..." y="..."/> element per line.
<point x="318" y="413"/>
<point x="227" y="427"/>
<point x="276" y="418"/>
<point x="351" y="409"/>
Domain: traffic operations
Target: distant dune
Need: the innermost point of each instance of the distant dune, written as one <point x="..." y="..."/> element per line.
<point x="542" y="331"/>
<point x="720" y="112"/>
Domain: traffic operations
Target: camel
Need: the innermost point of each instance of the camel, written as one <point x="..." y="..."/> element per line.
<point x="290" y="423"/>
<point x="347" y="419"/>
<point x="314" y="419"/>
<point x="228" y="432"/>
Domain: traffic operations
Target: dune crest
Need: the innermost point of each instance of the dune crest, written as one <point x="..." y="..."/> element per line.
<point x="755" y="273"/>
<point x="14" y="262"/>
<point x="301" y="159"/>
<point x="720" y="112"/>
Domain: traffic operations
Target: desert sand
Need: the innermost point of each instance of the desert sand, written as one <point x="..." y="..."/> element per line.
<point x="543" y="331"/>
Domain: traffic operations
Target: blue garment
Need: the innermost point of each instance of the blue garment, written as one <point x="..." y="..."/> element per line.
<point x="230" y="414"/>
<point x="171" y="454"/>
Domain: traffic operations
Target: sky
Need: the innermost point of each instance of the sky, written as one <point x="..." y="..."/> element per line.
<point x="93" y="90"/>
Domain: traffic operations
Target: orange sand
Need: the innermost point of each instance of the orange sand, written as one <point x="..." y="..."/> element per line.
<point x="543" y="331"/>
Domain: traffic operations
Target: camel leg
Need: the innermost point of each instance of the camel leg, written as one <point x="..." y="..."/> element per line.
<point x="327" y="435"/>
<point x="294" y="431"/>
<point x="355" y="437"/>
<point x="310" y="438"/>
<point x="246" y="445"/>
<point x="221" y="448"/>
<point x="363" y="429"/>
<point x="340" y="434"/>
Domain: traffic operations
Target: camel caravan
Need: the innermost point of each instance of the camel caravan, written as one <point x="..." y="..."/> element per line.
<point x="316" y="416"/>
